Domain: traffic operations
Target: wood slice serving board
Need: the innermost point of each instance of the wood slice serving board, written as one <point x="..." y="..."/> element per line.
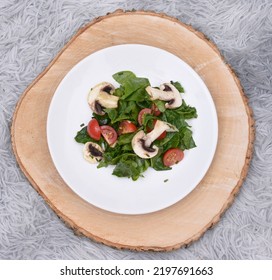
<point x="183" y="222"/>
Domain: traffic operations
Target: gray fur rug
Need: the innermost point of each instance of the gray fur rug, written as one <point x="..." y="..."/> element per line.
<point x="32" y="32"/>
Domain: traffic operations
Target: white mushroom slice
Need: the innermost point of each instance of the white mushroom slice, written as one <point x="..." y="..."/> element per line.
<point x="106" y="100"/>
<point x="142" y="143"/>
<point x="139" y="147"/>
<point x="101" y="97"/>
<point x="167" y="92"/>
<point x="92" y="152"/>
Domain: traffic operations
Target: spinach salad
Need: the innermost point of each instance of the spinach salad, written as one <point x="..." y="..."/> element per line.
<point x="136" y="126"/>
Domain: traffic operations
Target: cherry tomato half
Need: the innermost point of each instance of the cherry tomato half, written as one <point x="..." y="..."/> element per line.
<point x="109" y="134"/>
<point x="172" y="156"/>
<point x="155" y="110"/>
<point x="162" y="136"/>
<point x="142" y="113"/>
<point x="94" y="130"/>
<point x="126" y="127"/>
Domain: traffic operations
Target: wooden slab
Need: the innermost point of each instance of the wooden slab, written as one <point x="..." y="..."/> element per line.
<point x="188" y="219"/>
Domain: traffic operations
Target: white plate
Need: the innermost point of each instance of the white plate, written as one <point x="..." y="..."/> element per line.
<point x="69" y="109"/>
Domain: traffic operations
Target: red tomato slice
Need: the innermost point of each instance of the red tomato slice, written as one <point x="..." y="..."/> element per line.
<point x="155" y="110"/>
<point x="162" y="136"/>
<point x="126" y="127"/>
<point x="93" y="129"/>
<point x="109" y="134"/>
<point x="172" y="156"/>
<point x="141" y="115"/>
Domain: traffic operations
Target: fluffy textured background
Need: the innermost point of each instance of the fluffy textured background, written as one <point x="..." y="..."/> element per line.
<point x="32" y="32"/>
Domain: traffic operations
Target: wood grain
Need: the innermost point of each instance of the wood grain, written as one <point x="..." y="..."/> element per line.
<point x="188" y="219"/>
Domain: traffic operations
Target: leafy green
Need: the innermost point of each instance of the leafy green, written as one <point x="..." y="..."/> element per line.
<point x="183" y="139"/>
<point x="127" y="168"/>
<point x="127" y="147"/>
<point x="127" y="110"/>
<point x="132" y="99"/>
<point x="178" y="86"/>
<point x="178" y="116"/>
<point x="160" y="104"/>
<point x="187" y="141"/>
<point x="119" y="91"/>
<point x="131" y="168"/>
<point x="102" y="120"/>
<point x="82" y="136"/>
<point x="110" y="156"/>
<point x="172" y="140"/>
<point x="148" y="122"/>
<point x="122" y="76"/>
<point x="157" y="163"/>
<point x="127" y="164"/>
<point x="185" y="111"/>
<point x="112" y="114"/>
<point x="133" y="87"/>
<point x="125" y="138"/>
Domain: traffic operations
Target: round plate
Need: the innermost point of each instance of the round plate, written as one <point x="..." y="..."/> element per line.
<point x="69" y="108"/>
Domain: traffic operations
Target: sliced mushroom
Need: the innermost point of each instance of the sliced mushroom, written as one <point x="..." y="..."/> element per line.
<point x="92" y="152"/>
<point x="101" y="97"/>
<point x="140" y="148"/>
<point x="167" y="92"/>
<point x="142" y="143"/>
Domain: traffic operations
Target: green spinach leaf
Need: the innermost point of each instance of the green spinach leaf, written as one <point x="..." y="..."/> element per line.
<point x="83" y="136"/>
<point x="178" y="86"/>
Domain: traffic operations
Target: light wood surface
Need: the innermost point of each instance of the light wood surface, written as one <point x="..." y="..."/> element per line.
<point x="188" y="219"/>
